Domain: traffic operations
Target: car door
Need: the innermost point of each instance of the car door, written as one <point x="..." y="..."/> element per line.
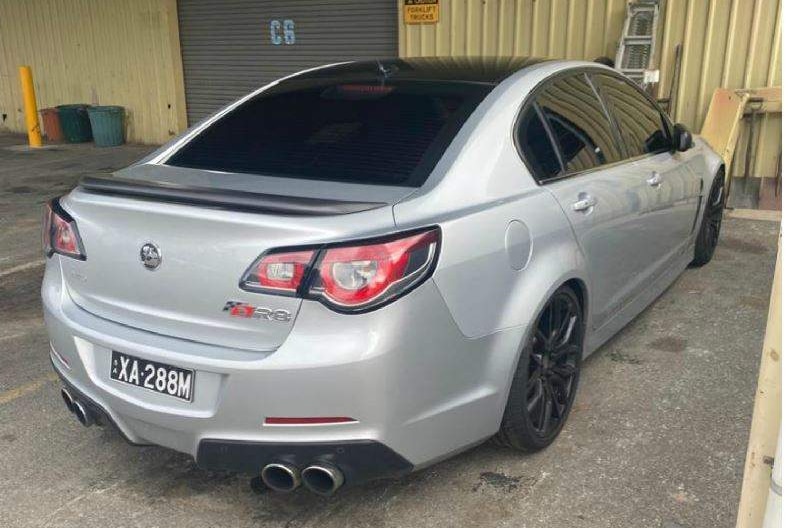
<point x="674" y="189"/>
<point x="603" y="195"/>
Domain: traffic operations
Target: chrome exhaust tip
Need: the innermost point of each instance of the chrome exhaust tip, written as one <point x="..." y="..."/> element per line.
<point x="322" y="479"/>
<point x="281" y="477"/>
<point x="67" y="399"/>
<point x="83" y="414"/>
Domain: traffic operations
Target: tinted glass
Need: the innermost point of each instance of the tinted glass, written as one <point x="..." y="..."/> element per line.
<point x="346" y="132"/>
<point x="583" y="132"/>
<point x="641" y="125"/>
<point x="536" y="146"/>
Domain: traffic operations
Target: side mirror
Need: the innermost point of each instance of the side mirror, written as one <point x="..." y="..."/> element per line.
<point x="681" y="138"/>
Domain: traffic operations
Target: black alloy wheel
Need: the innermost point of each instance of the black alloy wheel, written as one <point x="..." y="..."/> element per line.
<point x="547" y="375"/>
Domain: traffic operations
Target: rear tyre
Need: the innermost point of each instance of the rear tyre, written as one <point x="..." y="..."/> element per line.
<point x="544" y="385"/>
<point x="708" y="235"/>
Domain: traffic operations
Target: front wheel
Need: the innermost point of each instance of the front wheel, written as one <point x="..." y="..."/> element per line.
<point x="708" y="235"/>
<point x="544" y="385"/>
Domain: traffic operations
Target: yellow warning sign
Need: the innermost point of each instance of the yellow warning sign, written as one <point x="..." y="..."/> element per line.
<point x="421" y="11"/>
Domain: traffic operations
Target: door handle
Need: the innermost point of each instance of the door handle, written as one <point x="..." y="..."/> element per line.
<point x="584" y="204"/>
<point x="655" y="180"/>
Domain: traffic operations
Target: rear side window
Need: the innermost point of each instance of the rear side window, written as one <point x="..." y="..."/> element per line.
<point x="358" y="132"/>
<point x="641" y="124"/>
<point x="583" y="132"/>
<point x="535" y="145"/>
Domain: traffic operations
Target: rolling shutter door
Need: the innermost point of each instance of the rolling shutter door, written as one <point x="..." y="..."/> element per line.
<point x="230" y="48"/>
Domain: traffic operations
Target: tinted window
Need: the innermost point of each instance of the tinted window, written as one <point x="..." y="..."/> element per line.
<point x="581" y="128"/>
<point x="536" y="146"/>
<point x="346" y="132"/>
<point x="641" y="125"/>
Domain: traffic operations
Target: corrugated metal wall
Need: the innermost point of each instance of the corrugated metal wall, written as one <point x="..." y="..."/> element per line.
<point x="228" y="51"/>
<point x="99" y="52"/>
<point x="128" y="53"/>
<point x="730" y="43"/>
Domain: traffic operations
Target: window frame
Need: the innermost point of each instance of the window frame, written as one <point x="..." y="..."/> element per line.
<point x="588" y="72"/>
<point x="523" y="112"/>
<point x="665" y="121"/>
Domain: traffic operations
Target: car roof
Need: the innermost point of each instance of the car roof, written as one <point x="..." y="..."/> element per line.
<point x="485" y="70"/>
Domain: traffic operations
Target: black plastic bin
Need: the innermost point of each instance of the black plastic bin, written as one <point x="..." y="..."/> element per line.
<point x="75" y="122"/>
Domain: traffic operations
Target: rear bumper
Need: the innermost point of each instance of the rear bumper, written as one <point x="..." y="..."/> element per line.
<point x="359" y="460"/>
<point x="417" y="389"/>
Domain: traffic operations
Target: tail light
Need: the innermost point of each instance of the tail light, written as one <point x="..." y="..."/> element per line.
<point x="348" y="277"/>
<point x="59" y="233"/>
<point x="279" y="272"/>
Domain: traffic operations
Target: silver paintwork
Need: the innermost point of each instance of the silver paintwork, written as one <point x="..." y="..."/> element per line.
<point x="427" y="375"/>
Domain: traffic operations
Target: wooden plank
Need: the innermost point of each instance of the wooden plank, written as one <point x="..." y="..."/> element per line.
<point x="770" y="94"/>
<point x="755" y="214"/>
<point x="767" y="414"/>
<point x="770" y="100"/>
<point x="723" y="122"/>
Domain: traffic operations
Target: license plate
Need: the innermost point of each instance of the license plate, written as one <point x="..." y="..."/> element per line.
<point x="152" y="375"/>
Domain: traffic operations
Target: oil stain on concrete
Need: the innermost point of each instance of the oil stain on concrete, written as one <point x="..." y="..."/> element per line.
<point x="499" y="481"/>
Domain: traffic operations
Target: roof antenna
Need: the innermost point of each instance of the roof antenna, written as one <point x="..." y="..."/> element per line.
<point x="384" y="71"/>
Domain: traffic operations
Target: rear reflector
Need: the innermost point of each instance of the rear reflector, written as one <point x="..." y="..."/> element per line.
<point x="312" y="420"/>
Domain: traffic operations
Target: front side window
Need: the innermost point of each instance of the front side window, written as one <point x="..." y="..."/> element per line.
<point x="641" y="124"/>
<point x="535" y="145"/>
<point x="580" y="126"/>
<point x="355" y="132"/>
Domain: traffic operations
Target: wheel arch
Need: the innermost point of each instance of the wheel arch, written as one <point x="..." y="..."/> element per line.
<point x="720" y="169"/>
<point x="579" y="286"/>
<point x="580" y="289"/>
<point x="713" y="163"/>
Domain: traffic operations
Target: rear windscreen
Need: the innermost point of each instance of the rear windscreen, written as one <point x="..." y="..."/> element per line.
<point x="355" y="132"/>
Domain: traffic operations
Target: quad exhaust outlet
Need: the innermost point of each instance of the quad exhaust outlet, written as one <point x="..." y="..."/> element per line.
<point x="83" y="414"/>
<point x="322" y="479"/>
<point x="281" y="477"/>
<point x="77" y="408"/>
<point x="67" y="399"/>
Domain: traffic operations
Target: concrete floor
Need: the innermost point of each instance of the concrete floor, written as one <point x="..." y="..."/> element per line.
<point x="656" y="439"/>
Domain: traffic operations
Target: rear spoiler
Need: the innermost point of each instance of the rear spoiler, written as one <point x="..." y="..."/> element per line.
<point x="222" y="198"/>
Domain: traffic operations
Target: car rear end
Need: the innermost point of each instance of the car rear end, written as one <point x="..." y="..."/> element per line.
<point x="250" y="301"/>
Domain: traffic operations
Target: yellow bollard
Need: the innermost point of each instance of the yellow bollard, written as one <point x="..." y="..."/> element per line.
<point x="31" y="112"/>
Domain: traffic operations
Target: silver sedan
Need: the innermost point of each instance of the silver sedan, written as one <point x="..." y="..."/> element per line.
<point x="366" y="267"/>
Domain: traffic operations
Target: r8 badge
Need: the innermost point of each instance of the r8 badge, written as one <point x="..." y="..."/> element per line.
<point x="248" y="311"/>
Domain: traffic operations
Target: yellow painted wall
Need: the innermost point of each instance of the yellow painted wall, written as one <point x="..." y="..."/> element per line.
<point x="729" y="43"/>
<point x="119" y="52"/>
